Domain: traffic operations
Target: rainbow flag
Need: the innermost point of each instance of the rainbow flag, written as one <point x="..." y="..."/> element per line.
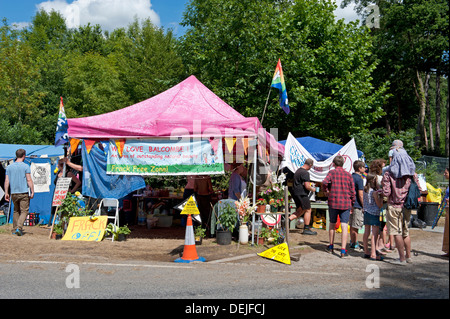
<point x="278" y="82"/>
<point x="61" y="136"/>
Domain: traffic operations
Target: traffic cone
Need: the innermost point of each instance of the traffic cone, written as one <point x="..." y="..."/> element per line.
<point x="189" y="252"/>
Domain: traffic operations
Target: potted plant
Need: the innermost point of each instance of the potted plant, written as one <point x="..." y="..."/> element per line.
<point x="122" y="233"/>
<point x="227" y="220"/>
<point x="261" y="205"/>
<point x="118" y="233"/>
<point x="263" y="235"/>
<point x="57" y="232"/>
<point x="199" y="234"/>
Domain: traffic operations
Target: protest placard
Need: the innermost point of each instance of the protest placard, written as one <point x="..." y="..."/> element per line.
<point x="86" y="229"/>
<point x="61" y="189"/>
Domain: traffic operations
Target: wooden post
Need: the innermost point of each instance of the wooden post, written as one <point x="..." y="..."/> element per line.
<point x="286" y="214"/>
<point x="53" y="223"/>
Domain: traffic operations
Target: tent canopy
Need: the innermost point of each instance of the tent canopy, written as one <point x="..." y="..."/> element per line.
<point x="319" y="149"/>
<point x="38" y="154"/>
<point x="8" y="151"/>
<point x="187" y="109"/>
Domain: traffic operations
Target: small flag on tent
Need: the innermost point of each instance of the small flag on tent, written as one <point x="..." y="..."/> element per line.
<point x="74" y="144"/>
<point x="120" y="143"/>
<point x="278" y="82"/>
<point x="61" y="136"/>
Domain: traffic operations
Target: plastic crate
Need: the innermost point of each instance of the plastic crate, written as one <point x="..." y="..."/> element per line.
<point x="2" y="220"/>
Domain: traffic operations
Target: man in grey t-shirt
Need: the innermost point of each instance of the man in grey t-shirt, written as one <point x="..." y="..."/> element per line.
<point x="18" y="176"/>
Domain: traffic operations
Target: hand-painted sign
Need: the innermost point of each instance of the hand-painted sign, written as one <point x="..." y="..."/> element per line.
<point x="61" y="189"/>
<point x="278" y="253"/>
<point x="166" y="157"/>
<point x="86" y="229"/>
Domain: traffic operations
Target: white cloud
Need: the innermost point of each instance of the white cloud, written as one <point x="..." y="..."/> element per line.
<point x="348" y="13"/>
<point x="109" y="14"/>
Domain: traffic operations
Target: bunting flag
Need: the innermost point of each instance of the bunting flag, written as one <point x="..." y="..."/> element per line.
<point x="230" y="141"/>
<point x="278" y="82"/>
<point x="214" y="144"/>
<point x="120" y="143"/>
<point x="74" y="144"/>
<point x="89" y="144"/>
<point x="61" y="136"/>
<point x="245" y="144"/>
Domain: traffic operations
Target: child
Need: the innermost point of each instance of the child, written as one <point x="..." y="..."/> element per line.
<point x="373" y="202"/>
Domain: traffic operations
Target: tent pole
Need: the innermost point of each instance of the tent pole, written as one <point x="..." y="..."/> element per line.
<point x="265" y="106"/>
<point x="255" y="162"/>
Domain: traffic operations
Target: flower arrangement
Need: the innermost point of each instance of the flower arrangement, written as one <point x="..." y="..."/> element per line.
<point x="244" y="209"/>
<point x="261" y="201"/>
<point x="274" y="195"/>
<point x="272" y="235"/>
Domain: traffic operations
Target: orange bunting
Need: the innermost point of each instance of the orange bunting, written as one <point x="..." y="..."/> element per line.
<point x="245" y="144"/>
<point x="74" y="144"/>
<point x="89" y="144"/>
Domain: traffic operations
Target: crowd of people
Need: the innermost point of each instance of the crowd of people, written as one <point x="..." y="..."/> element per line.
<point x="373" y="200"/>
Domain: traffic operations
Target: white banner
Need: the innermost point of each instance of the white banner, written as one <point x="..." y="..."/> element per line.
<point x="295" y="156"/>
<point x="166" y="157"/>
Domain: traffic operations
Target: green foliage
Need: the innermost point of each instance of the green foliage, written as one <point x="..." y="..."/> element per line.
<point x="376" y="143"/>
<point x="115" y="231"/>
<point x="58" y="229"/>
<point x="199" y="232"/>
<point x="94" y="72"/>
<point x="234" y="46"/>
<point x="71" y="207"/>
<point x="227" y="218"/>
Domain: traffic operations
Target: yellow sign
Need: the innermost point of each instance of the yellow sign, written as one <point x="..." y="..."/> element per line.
<point x="279" y="253"/>
<point x="190" y="208"/>
<point x="86" y="229"/>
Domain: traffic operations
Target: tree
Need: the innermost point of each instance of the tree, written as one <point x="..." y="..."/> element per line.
<point x="411" y="45"/>
<point x="146" y="58"/>
<point x="233" y="47"/>
<point x="20" y="97"/>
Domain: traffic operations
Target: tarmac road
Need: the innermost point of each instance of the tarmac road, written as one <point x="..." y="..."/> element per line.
<point x="316" y="275"/>
<point x="243" y="277"/>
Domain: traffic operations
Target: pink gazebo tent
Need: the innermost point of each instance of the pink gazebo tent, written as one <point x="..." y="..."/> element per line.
<point x="187" y="109"/>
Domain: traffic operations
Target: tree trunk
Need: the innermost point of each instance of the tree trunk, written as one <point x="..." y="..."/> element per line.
<point x="420" y="94"/>
<point x="428" y="112"/>
<point x="446" y="121"/>
<point x="438" y="111"/>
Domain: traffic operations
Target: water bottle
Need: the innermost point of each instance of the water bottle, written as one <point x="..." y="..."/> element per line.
<point x="142" y="219"/>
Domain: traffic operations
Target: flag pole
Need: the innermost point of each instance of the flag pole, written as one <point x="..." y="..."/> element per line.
<point x="265" y="106"/>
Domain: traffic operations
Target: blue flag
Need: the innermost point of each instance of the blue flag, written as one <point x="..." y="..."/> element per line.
<point x="61" y="136"/>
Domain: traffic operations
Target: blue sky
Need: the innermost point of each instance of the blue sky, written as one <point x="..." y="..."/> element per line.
<point x="110" y="14"/>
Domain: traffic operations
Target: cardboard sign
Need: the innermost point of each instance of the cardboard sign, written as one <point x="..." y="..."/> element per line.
<point x="278" y="253"/>
<point x="190" y="208"/>
<point x="61" y="189"/>
<point x="86" y="229"/>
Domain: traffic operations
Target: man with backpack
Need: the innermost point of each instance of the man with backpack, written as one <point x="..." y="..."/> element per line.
<point x="399" y="182"/>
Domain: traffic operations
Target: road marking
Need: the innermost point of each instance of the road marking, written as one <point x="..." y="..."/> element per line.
<point x="98" y="264"/>
<point x="308" y="272"/>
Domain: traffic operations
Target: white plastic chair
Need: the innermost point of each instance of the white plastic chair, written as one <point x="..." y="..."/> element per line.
<point x="114" y="203"/>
